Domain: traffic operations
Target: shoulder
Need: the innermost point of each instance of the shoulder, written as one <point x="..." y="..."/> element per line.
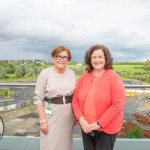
<point x="86" y="75"/>
<point x="42" y="78"/>
<point x="45" y="72"/>
<point x="46" y="69"/>
<point x="70" y="71"/>
<point x="111" y="72"/>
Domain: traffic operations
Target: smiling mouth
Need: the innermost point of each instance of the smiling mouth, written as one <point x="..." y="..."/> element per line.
<point x="99" y="64"/>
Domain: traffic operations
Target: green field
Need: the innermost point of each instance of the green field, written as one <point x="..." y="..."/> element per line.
<point x="134" y="72"/>
<point x="128" y="68"/>
<point x="131" y="71"/>
<point x="12" y="78"/>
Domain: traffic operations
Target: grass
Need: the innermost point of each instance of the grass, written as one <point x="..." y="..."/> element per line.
<point x="12" y="78"/>
<point x="135" y="132"/>
<point x="128" y="68"/>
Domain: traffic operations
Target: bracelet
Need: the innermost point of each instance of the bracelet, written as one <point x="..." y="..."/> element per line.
<point x="42" y="121"/>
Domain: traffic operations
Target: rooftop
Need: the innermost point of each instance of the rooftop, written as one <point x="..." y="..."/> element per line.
<point x="33" y="143"/>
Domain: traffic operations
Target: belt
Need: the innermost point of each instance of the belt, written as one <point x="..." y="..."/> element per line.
<point x="59" y="100"/>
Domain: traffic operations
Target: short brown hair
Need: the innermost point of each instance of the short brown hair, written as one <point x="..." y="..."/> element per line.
<point x="107" y="54"/>
<point x="59" y="49"/>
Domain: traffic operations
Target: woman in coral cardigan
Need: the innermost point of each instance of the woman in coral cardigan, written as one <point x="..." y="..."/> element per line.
<point x="98" y="100"/>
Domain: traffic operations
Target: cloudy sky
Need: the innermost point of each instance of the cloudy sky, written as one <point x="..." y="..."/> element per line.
<point x="30" y="29"/>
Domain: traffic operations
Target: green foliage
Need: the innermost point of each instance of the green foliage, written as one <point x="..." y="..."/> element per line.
<point x="135" y="132"/>
<point x="128" y="68"/>
<point x="11" y="93"/>
<point x="136" y="72"/>
<point x="10" y="67"/>
<point x="29" y="107"/>
<point x="3" y="73"/>
<point x="4" y="92"/>
<point x="129" y="63"/>
<point x="39" y="69"/>
<point x="78" y="69"/>
<point x="147" y="65"/>
<point x="20" y="71"/>
<point x="30" y="104"/>
<point x="28" y="70"/>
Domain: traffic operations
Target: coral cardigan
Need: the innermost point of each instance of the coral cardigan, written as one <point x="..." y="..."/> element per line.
<point x="109" y="99"/>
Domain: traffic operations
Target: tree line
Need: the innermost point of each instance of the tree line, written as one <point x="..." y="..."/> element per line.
<point x="32" y="68"/>
<point x="21" y="68"/>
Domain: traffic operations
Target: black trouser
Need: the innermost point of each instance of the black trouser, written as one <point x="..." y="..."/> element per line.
<point x="101" y="141"/>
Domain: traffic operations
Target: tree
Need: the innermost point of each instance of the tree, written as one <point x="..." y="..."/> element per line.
<point x="20" y="71"/>
<point x="10" y="68"/>
<point x="3" y="73"/>
<point x="147" y="65"/>
<point x="30" y="71"/>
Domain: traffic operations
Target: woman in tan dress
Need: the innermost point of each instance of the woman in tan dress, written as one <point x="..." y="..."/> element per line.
<point x="53" y="95"/>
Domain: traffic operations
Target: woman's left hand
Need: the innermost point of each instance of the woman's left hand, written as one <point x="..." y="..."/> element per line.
<point x="94" y="126"/>
<point x="84" y="125"/>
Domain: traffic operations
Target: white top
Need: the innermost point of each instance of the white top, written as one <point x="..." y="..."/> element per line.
<point x="51" y="84"/>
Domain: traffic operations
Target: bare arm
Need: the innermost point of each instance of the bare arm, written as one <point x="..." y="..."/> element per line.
<point x="42" y="117"/>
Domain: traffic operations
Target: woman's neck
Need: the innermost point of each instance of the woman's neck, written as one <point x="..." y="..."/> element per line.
<point x="58" y="70"/>
<point x="98" y="73"/>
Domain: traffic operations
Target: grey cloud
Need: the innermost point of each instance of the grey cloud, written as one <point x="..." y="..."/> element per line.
<point x="31" y="29"/>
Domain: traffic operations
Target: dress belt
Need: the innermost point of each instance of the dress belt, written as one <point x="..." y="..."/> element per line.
<point x="59" y="100"/>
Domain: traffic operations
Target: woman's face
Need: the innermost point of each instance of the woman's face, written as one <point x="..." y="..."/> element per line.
<point x="98" y="60"/>
<point x="61" y="60"/>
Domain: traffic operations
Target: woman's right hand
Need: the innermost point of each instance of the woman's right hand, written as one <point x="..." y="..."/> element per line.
<point x="84" y="125"/>
<point x="44" y="127"/>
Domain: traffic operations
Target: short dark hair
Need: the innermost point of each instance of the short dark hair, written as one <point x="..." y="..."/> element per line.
<point x="60" y="49"/>
<point x="107" y="54"/>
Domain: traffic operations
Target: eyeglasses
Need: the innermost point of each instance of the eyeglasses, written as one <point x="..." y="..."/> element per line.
<point x="59" y="57"/>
